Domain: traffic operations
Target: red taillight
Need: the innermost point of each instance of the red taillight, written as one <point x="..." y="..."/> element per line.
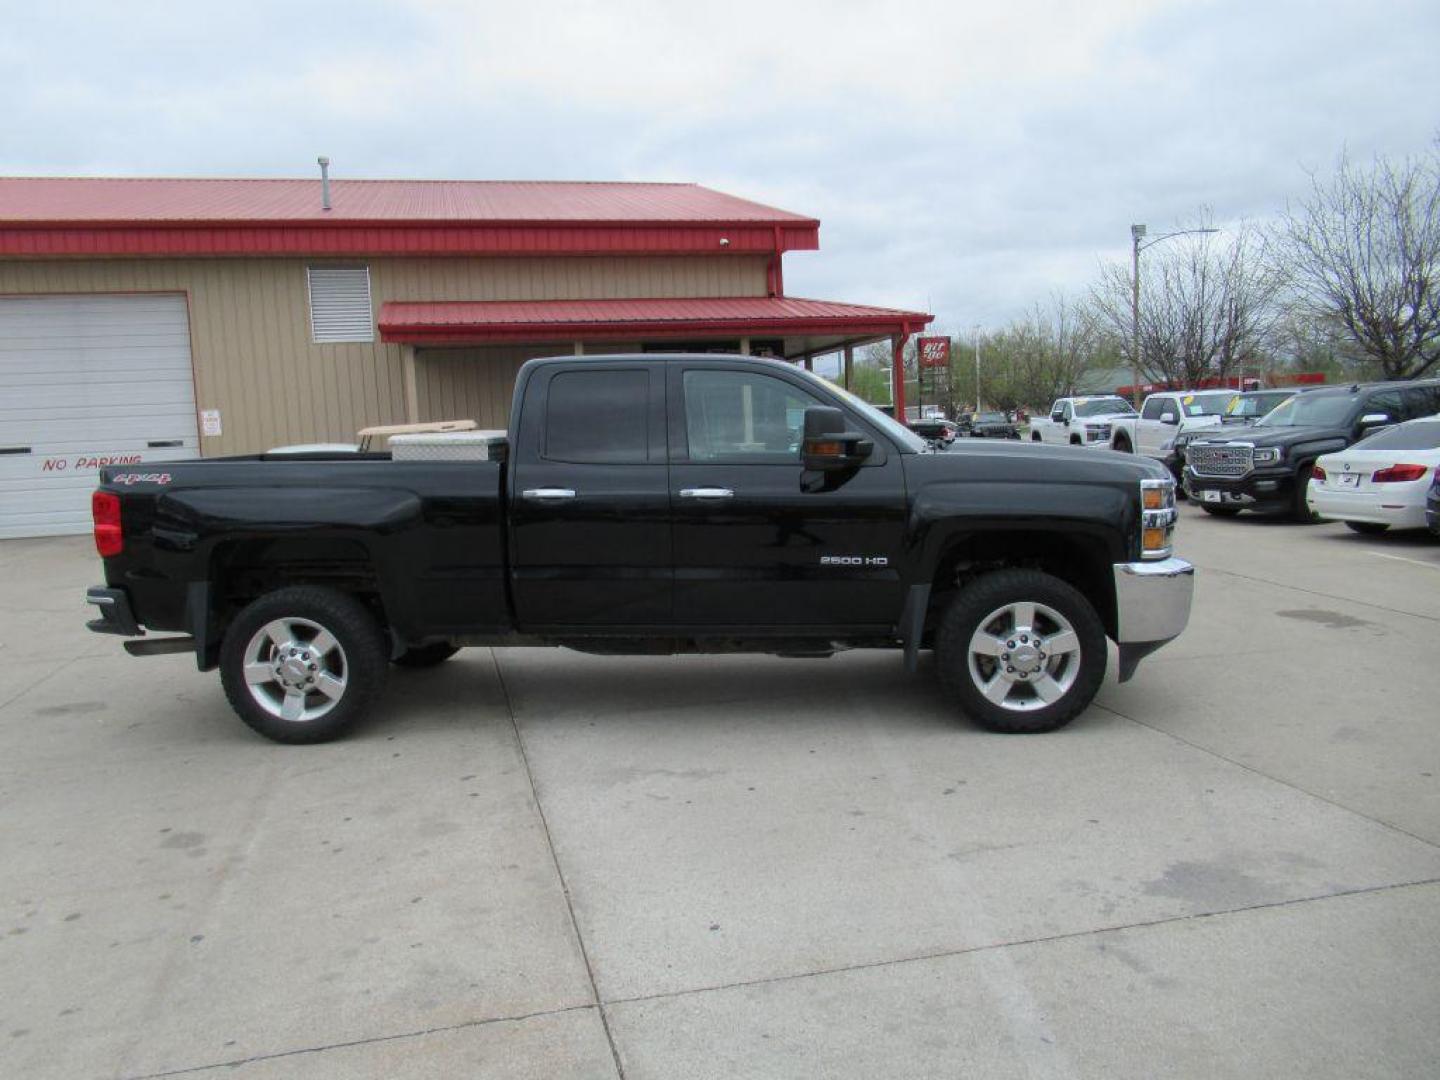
<point x="1399" y="474"/>
<point x="1317" y="473"/>
<point x="105" y="509"/>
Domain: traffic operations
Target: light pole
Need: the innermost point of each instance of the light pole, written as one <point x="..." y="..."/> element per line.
<point x="977" y="367"/>
<point x="1137" y="233"/>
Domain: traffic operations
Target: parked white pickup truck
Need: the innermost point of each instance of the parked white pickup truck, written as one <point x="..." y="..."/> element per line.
<point x="1082" y="421"/>
<point x="1166" y="422"/>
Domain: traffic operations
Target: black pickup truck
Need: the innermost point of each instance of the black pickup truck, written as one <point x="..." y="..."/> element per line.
<point x="1266" y="467"/>
<point x="650" y="504"/>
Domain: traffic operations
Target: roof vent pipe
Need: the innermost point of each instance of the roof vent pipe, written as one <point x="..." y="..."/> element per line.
<point x="324" y="182"/>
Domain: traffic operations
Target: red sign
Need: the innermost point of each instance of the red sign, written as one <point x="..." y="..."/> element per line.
<point x="934" y="351"/>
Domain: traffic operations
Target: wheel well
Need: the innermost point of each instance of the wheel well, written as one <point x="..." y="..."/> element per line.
<point x="1074" y="440"/>
<point x="1122" y="439"/>
<point x="1080" y="561"/>
<point x="242" y="570"/>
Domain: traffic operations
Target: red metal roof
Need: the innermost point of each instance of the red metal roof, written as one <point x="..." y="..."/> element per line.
<point x="136" y="201"/>
<point x="116" y="216"/>
<point x="490" y="321"/>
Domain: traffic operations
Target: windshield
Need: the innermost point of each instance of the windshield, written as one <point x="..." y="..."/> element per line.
<point x="1247" y="406"/>
<point x="1310" y="410"/>
<point x="902" y="435"/>
<point x="1205" y="404"/>
<point x="991" y="418"/>
<point x="1418" y="435"/>
<point x="1104" y="406"/>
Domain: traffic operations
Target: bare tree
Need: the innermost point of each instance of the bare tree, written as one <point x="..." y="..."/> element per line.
<point x="1207" y="306"/>
<point x="1363" y="252"/>
<point x="1039" y="357"/>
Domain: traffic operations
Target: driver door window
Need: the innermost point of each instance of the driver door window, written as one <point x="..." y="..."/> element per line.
<point x="1152" y="408"/>
<point x="743" y="417"/>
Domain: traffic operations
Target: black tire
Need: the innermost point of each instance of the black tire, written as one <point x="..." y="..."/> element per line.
<point x="425" y="656"/>
<point x="1034" y="436"/>
<point x="1076" y="441"/>
<point x="357" y="662"/>
<point x="1299" y="508"/>
<point x="1219" y="511"/>
<point x="1122" y="444"/>
<point x="1367" y="528"/>
<point x="971" y="611"/>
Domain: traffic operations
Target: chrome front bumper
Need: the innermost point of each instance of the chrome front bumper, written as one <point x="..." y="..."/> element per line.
<point x="1152" y="606"/>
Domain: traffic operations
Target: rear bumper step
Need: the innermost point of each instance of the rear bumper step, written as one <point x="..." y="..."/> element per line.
<point x="115" y="614"/>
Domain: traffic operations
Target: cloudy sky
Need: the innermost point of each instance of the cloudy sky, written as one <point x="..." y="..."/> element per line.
<point x="970" y="158"/>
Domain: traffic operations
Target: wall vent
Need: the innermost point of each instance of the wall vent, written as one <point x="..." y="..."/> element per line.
<point x="340" y="304"/>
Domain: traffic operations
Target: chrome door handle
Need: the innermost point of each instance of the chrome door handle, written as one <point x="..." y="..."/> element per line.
<point x="549" y="494"/>
<point x="706" y="493"/>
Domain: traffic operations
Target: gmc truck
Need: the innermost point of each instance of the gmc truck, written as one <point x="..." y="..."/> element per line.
<point x="648" y="504"/>
<point x="1266" y="467"/>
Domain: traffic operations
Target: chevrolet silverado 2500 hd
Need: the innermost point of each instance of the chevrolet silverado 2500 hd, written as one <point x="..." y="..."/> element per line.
<point x="649" y="504"/>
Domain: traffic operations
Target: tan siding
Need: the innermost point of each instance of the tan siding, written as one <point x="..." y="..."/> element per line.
<point x="250" y="331"/>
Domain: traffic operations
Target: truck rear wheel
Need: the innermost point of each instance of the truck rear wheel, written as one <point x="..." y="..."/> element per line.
<point x="1122" y="444"/>
<point x="1020" y="651"/>
<point x="301" y="664"/>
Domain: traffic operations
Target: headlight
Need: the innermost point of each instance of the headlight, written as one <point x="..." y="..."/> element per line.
<point x="1157" y="518"/>
<point x="1266" y="455"/>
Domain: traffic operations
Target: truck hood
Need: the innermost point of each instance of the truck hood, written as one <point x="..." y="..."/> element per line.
<point x="1277" y="436"/>
<point x="1031" y="462"/>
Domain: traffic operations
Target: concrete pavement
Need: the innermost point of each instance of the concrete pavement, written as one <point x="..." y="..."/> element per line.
<point x="537" y="863"/>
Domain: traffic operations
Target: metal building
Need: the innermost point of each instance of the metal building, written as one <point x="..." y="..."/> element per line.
<point x="146" y="320"/>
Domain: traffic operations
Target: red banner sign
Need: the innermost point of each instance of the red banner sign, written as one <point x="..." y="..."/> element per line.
<point x="934" y="351"/>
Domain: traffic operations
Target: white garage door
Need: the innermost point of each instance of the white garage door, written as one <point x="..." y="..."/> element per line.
<point x="87" y="381"/>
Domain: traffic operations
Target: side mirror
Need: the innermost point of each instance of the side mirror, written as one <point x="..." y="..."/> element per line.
<point x="1168" y="417"/>
<point x="1058" y="417"/>
<point x="1374" y="420"/>
<point x="827" y="446"/>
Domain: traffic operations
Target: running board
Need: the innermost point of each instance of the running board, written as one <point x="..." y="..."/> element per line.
<point x="159" y="646"/>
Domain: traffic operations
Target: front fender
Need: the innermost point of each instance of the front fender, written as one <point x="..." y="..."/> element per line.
<point x="946" y="512"/>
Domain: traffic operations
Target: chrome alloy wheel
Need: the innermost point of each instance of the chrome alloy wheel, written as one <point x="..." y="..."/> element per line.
<point x="295" y="669"/>
<point x="1024" y="656"/>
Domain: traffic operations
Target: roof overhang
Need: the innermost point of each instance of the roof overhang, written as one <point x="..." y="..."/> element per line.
<point x="492" y="322"/>
<point x="357" y="238"/>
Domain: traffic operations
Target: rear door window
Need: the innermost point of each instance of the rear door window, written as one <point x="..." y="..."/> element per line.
<point x="599" y="417"/>
<point x="1421" y="401"/>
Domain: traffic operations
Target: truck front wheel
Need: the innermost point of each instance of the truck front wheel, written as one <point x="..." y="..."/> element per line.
<point x="301" y="664"/>
<point x="1020" y="651"/>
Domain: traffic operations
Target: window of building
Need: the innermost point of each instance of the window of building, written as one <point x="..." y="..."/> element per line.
<point x="340" y="304"/>
<point x="744" y="415"/>
<point x="599" y="417"/>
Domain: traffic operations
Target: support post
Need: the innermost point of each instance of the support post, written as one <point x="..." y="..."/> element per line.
<point x="849" y="364"/>
<point x="897" y="374"/>
<point x="809" y="362"/>
<point x="579" y="348"/>
<point x="744" y="346"/>
<point x="412" y="393"/>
